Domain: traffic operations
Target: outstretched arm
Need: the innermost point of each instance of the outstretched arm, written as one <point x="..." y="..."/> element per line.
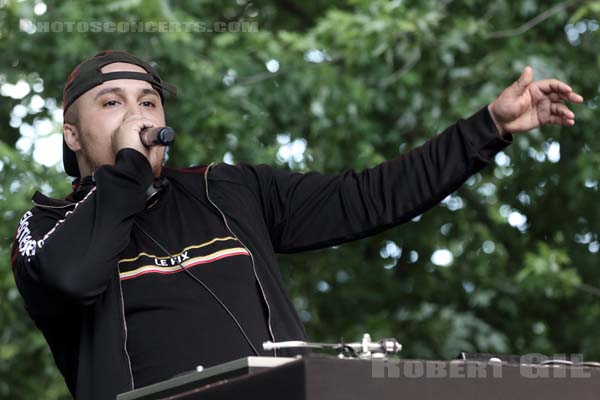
<point x="307" y="211"/>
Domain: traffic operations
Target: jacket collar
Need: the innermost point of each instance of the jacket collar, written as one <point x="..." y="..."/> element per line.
<point x="44" y="201"/>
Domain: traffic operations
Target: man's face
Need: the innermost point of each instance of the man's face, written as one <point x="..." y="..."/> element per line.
<point x="103" y="109"/>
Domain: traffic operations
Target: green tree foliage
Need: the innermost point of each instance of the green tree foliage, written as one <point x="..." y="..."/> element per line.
<point x="506" y="264"/>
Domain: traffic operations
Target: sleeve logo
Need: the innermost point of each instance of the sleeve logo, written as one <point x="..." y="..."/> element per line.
<point x="27" y="245"/>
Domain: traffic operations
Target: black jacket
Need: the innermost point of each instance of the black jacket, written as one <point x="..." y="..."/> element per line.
<point x="64" y="254"/>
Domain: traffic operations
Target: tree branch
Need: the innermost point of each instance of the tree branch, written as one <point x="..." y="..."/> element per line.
<point x="538" y="19"/>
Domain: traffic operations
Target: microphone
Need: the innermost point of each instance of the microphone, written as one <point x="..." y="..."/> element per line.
<point x="161" y="136"/>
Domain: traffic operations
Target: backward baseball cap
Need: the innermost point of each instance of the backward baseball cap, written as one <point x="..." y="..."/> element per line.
<point x="87" y="75"/>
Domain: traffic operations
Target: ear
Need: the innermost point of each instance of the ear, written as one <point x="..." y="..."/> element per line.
<point x="71" y="135"/>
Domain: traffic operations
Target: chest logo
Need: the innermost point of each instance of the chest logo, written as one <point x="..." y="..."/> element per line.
<point x="172" y="261"/>
<point x="191" y="256"/>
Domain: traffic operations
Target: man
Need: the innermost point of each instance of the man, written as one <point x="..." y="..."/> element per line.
<point x="145" y="271"/>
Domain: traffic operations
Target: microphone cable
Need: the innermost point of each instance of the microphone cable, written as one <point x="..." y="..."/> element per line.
<point x="217" y="299"/>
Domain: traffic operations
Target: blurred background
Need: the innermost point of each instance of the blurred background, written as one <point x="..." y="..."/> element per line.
<point x="506" y="264"/>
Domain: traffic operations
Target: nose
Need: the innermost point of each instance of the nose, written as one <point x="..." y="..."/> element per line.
<point x="134" y="109"/>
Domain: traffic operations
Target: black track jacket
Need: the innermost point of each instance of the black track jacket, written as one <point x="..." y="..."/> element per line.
<point x="65" y="252"/>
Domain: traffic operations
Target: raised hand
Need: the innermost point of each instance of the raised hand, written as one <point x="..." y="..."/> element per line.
<point x="526" y="105"/>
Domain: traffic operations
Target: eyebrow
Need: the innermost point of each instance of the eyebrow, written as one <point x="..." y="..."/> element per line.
<point x="119" y="90"/>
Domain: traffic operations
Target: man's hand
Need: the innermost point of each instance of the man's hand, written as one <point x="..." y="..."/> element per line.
<point x="128" y="134"/>
<point x="526" y="105"/>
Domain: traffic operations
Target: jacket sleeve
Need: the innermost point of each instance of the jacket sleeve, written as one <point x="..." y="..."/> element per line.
<point x="309" y="211"/>
<point x="60" y="259"/>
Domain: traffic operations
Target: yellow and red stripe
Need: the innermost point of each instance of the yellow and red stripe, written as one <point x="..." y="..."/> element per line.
<point x="156" y="269"/>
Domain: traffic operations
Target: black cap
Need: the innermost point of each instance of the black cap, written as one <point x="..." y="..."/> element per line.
<point x="88" y="75"/>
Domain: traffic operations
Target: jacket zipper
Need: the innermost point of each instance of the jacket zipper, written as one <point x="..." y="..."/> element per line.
<point x="125" y="330"/>
<point x="249" y="252"/>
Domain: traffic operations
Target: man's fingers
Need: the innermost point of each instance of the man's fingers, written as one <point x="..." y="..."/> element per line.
<point x="575" y="98"/>
<point x="561" y="110"/>
<point x="567" y="122"/>
<point x="524" y="80"/>
<point x="138" y="121"/>
<point x="558" y="120"/>
<point x="571" y="97"/>
<point x="561" y="115"/>
<point x="553" y="87"/>
<point x="556" y="97"/>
